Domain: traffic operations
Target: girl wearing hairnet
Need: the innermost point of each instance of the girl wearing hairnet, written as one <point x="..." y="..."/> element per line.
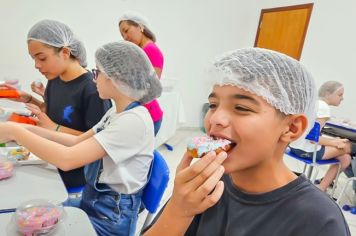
<point x="71" y="102"/>
<point x="135" y="28"/>
<point x="117" y="151"/>
<point x="330" y="94"/>
<point x="261" y="101"/>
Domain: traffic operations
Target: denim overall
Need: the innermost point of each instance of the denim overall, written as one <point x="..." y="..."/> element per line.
<point x="110" y="212"/>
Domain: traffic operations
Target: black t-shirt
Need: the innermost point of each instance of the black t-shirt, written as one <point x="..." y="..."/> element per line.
<point x="296" y="209"/>
<point x="75" y="104"/>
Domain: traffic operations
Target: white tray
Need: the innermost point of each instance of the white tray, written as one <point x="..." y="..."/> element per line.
<point x="32" y="160"/>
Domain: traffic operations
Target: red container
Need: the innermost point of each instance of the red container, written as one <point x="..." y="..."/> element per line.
<point x="21" y="119"/>
<point x="9" y="93"/>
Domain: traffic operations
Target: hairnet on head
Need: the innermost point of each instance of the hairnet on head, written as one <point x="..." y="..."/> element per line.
<point x="57" y="34"/>
<point x="329" y="88"/>
<point x="279" y="79"/>
<point x="135" y="17"/>
<point x="129" y="67"/>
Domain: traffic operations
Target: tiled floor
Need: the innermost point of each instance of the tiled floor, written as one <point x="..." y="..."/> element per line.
<point x="179" y="144"/>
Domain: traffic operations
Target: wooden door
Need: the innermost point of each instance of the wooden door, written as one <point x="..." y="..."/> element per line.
<point x="283" y="29"/>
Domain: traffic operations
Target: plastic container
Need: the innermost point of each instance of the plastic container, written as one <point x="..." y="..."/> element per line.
<point x="3" y="150"/>
<point x="9" y="93"/>
<point x="38" y="83"/>
<point x="6" y="168"/>
<point x="14" y="82"/>
<point x="21" y="119"/>
<point x="37" y="217"/>
<point x="4" y="115"/>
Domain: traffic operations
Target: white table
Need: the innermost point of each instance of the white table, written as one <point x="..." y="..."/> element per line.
<point x="31" y="182"/>
<point x="76" y="222"/>
<point x="173" y="115"/>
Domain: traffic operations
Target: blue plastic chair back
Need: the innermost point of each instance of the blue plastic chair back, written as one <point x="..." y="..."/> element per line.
<point x="156" y="185"/>
<point x="75" y="189"/>
<point x="314" y="133"/>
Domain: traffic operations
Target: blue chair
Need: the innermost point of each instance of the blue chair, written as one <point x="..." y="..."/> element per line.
<point x="313" y="136"/>
<point x="155" y="187"/>
<point x="74" y="196"/>
<point x="75" y="190"/>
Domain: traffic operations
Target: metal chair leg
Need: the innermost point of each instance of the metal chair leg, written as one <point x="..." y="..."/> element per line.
<point x="336" y="180"/>
<point x="344" y="188"/>
<point x="310" y="171"/>
<point x="304" y="169"/>
<point x="315" y="174"/>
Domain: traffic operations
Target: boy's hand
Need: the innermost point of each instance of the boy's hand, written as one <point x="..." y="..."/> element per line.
<point x="41" y="118"/>
<point x="340" y="143"/>
<point x="197" y="187"/>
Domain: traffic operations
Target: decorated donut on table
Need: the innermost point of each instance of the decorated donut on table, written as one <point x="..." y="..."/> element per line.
<point x="19" y="154"/>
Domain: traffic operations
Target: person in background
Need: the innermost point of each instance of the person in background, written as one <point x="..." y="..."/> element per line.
<point x="135" y="28"/>
<point x="71" y="102"/>
<point x="261" y="101"/>
<point x="330" y="94"/>
<point x="117" y="151"/>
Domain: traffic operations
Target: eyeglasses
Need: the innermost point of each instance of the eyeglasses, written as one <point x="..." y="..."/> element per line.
<point x="95" y="74"/>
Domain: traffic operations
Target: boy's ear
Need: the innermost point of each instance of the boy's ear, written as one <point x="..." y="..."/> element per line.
<point x="296" y="125"/>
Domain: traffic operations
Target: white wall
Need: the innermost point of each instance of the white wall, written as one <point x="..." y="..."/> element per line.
<point x="190" y="33"/>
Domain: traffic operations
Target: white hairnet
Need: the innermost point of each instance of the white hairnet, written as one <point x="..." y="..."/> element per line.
<point x="58" y="35"/>
<point x="129" y="67"/>
<point x="279" y="79"/>
<point x="329" y="88"/>
<point x="139" y="20"/>
<point x="135" y="17"/>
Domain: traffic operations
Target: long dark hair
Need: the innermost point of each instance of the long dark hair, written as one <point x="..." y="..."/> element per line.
<point x="148" y="33"/>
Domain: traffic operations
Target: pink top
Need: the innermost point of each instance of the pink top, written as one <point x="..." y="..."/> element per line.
<point x="156" y="57"/>
<point x="154" y="54"/>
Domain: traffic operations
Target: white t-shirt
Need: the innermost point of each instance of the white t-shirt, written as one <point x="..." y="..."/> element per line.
<point x="323" y="111"/>
<point x="128" y="139"/>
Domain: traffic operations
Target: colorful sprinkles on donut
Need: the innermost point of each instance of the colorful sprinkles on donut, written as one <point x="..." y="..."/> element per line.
<point x="199" y="146"/>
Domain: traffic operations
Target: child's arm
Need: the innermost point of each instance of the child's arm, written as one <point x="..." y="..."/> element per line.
<point x="32" y="100"/>
<point x="334" y="142"/>
<point x="44" y="121"/>
<point x="65" y="158"/>
<point x="24" y="97"/>
<point x="322" y="122"/>
<point x="59" y="137"/>
<point x="196" y="188"/>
